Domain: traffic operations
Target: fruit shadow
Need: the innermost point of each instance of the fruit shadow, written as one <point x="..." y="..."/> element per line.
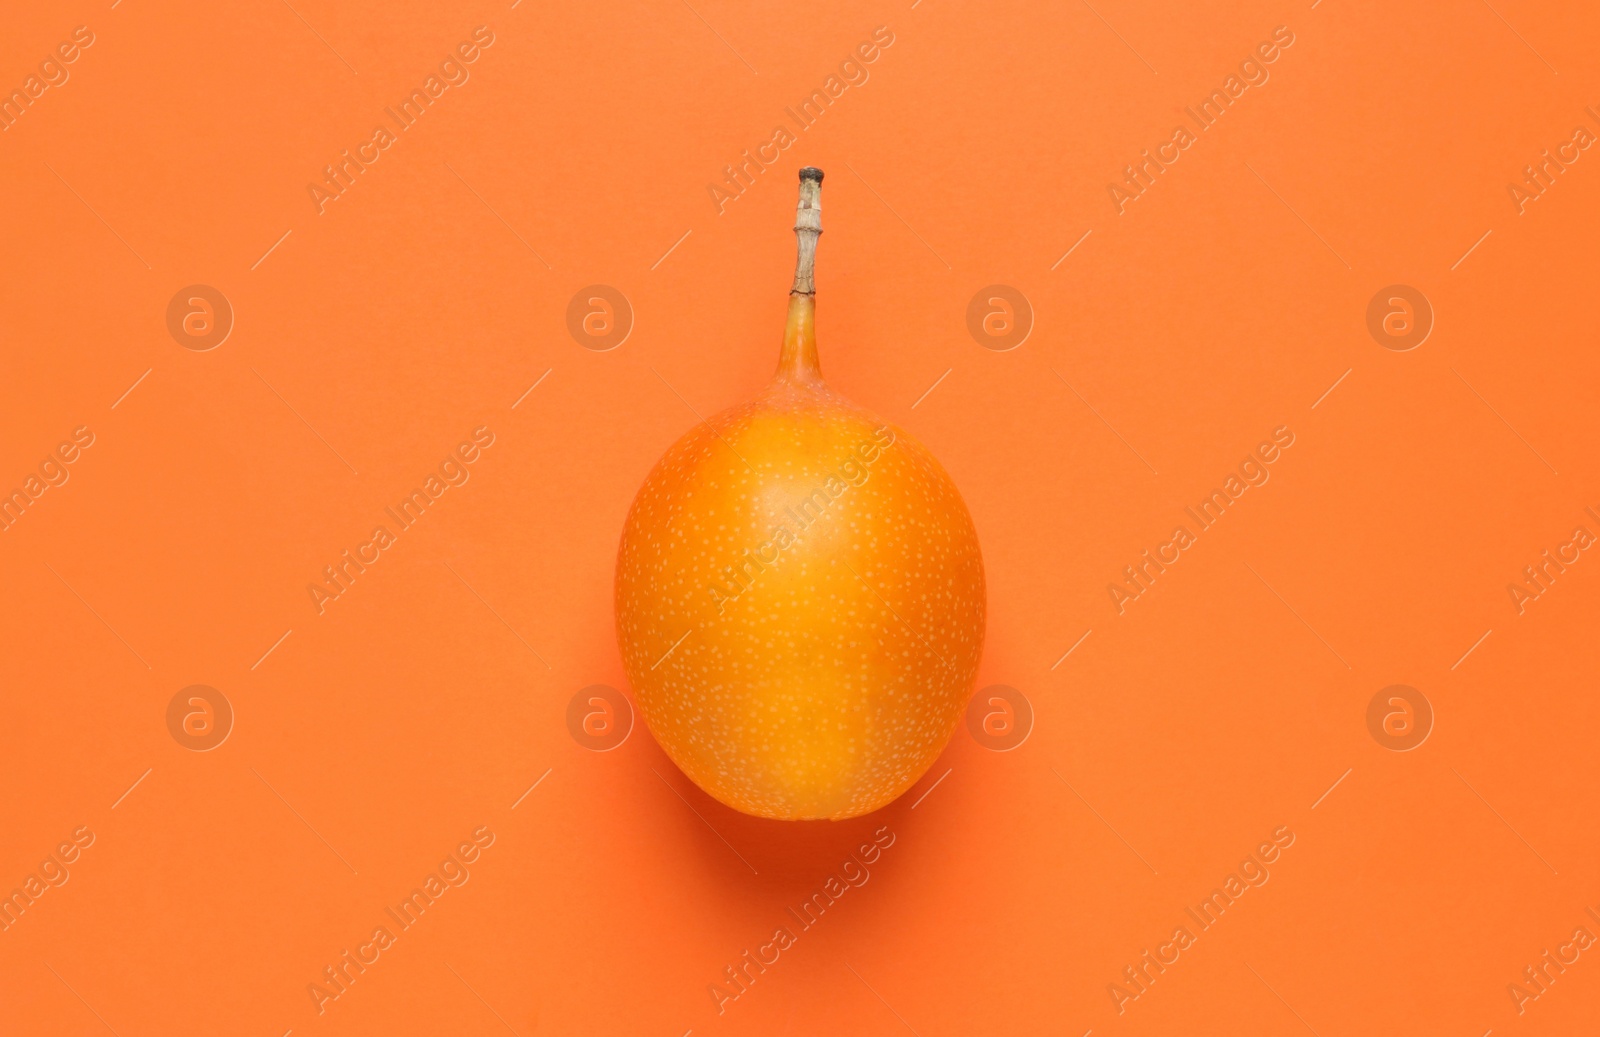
<point x="781" y="855"/>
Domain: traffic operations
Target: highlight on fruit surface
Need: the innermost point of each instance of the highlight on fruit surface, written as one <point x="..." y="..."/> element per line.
<point x="799" y="591"/>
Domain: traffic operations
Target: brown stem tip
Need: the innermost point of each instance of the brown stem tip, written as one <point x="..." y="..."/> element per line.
<point x="807" y="228"/>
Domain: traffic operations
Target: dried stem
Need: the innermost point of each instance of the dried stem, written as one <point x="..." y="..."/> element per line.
<point x="797" y="361"/>
<point x="807" y="228"/>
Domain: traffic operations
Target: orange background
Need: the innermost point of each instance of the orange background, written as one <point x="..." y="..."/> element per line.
<point x="423" y="703"/>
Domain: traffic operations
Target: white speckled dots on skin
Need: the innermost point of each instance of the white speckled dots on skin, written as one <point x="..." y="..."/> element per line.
<point x="800" y="598"/>
<point x="839" y="662"/>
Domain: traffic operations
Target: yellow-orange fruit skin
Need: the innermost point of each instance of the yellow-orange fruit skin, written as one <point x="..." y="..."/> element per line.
<point x="800" y="605"/>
